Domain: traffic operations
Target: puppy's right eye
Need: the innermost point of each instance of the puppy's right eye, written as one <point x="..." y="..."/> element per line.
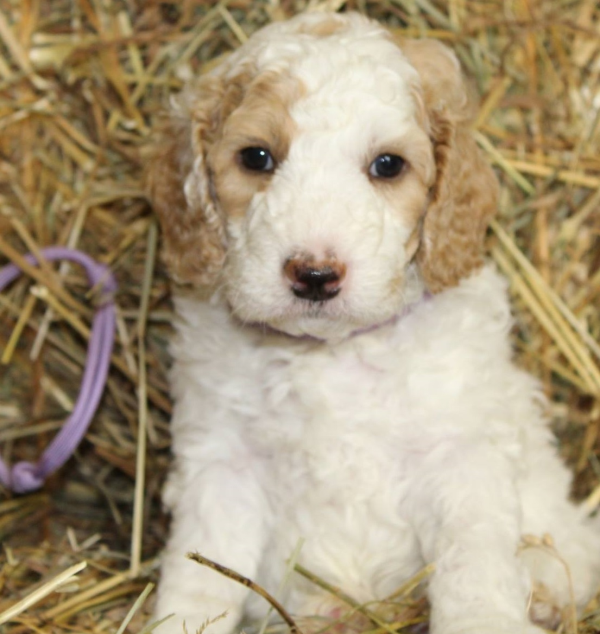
<point x="386" y="166"/>
<point x="257" y="159"/>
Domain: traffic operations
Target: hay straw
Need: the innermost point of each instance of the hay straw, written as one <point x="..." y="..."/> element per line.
<point x="554" y="312"/>
<point x="232" y="24"/>
<point x="506" y="165"/>
<point x="81" y="86"/>
<point x="289" y="569"/>
<point x="337" y="592"/>
<point x="545" y="543"/>
<point x="135" y="607"/>
<point x="143" y="428"/>
<point x="413" y="583"/>
<point x="564" y="176"/>
<point x="24" y="317"/>
<point x="19" y="55"/>
<point x="43" y="275"/>
<point x="82" y="599"/>
<point x="43" y="591"/>
<point x="238" y="578"/>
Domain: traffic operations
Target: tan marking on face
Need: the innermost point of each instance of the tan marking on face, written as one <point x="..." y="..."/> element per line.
<point x="193" y="236"/>
<point x="225" y="96"/>
<point x="408" y="193"/>
<point x="325" y="27"/>
<point x="262" y="120"/>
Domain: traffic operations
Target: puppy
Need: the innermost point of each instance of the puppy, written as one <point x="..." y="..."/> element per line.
<point x="342" y="372"/>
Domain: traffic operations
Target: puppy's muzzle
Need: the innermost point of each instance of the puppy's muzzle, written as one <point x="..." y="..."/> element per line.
<point x="312" y="280"/>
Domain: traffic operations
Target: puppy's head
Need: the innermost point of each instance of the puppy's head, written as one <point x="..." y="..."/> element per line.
<point x="322" y="176"/>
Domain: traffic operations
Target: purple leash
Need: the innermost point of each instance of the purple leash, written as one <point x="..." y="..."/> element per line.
<point x="27" y="476"/>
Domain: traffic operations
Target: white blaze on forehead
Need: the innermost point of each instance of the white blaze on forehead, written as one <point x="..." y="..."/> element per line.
<point x="334" y="67"/>
<point x="328" y="50"/>
<point x="366" y="84"/>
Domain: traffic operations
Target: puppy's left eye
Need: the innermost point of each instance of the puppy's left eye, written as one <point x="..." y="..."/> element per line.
<point x="386" y="166"/>
<point x="257" y="159"/>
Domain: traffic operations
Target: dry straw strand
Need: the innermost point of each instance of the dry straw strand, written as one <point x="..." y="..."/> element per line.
<point x="238" y="578"/>
<point x="143" y="428"/>
<point x="42" y="592"/>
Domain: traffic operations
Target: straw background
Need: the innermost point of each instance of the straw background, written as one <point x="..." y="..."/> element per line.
<point x="81" y="85"/>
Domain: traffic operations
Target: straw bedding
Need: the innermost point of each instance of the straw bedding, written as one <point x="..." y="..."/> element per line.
<point x="81" y="85"/>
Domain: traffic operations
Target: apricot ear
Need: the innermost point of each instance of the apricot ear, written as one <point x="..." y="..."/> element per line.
<point x="465" y="194"/>
<point x="179" y="185"/>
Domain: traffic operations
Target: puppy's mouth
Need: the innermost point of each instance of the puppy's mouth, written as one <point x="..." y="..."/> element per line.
<point x="314" y="325"/>
<point x="302" y="319"/>
<point x="330" y="320"/>
<point x="314" y="310"/>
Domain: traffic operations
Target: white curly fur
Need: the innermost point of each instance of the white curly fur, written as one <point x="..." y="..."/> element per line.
<point x="388" y="428"/>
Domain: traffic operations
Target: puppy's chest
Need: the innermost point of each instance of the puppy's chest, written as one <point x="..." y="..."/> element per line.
<point x="333" y="444"/>
<point x="334" y="427"/>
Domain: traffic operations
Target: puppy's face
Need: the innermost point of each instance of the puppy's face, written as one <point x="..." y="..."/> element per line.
<point x="322" y="174"/>
<point x="318" y="160"/>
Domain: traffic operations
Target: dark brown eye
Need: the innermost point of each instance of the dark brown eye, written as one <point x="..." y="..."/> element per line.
<point x="257" y="159"/>
<point x="386" y="166"/>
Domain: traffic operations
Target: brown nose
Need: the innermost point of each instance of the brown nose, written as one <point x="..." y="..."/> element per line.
<point x="314" y="281"/>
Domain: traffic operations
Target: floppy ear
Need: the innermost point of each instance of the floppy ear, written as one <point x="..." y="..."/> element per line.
<point x="464" y="196"/>
<point x="179" y="184"/>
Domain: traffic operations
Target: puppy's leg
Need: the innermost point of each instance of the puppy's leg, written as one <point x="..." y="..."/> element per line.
<point x="568" y="571"/>
<point x="467" y="514"/>
<point x="220" y="512"/>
